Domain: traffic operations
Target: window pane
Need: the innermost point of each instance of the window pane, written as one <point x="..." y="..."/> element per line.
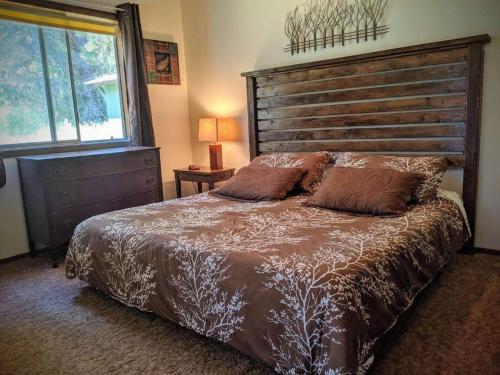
<point x="23" y="102"/>
<point x="97" y="90"/>
<point x="60" y="83"/>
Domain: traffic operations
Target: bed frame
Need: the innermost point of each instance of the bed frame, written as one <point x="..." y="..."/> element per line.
<point x="423" y="99"/>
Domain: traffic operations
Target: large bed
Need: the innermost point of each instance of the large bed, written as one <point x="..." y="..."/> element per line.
<point x="305" y="289"/>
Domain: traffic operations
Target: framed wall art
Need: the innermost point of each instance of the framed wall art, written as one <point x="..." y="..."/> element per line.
<point x="162" y="62"/>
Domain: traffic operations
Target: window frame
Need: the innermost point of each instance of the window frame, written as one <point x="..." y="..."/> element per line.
<point x="30" y="148"/>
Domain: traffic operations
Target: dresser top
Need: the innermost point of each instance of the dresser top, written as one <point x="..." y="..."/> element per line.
<point x="79" y="154"/>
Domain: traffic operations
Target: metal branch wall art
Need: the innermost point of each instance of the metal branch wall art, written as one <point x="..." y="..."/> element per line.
<point x="327" y="23"/>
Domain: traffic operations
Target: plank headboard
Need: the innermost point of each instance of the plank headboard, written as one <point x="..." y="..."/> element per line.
<point x="422" y="99"/>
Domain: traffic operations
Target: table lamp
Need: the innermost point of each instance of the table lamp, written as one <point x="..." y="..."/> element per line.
<point x="215" y="130"/>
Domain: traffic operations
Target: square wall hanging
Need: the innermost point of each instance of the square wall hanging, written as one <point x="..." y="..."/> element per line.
<point x="162" y="62"/>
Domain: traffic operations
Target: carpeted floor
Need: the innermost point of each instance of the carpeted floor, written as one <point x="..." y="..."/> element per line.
<point x="50" y="325"/>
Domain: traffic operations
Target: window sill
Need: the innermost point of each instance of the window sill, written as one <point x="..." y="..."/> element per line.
<point x="13" y="152"/>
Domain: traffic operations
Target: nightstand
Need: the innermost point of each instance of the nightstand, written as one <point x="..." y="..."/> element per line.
<point x="203" y="175"/>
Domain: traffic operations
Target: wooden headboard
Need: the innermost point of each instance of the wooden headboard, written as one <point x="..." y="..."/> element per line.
<point x="422" y="99"/>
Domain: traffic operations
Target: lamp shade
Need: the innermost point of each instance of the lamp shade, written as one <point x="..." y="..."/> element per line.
<point x="211" y="129"/>
<point x="207" y="129"/>
<point x="227" y="129"/>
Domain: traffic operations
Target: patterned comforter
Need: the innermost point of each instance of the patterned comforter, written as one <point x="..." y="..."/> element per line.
<point x="304" y="289"/>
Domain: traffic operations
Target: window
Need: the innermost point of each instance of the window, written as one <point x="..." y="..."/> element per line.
<point x="58" y="84"/>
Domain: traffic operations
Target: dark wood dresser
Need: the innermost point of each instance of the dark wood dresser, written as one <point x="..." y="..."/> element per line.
<point x="61" y="190"/>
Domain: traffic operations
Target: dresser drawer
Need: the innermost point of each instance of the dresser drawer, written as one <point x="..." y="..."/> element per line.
<point x="75" y="168"/>
<point x="72" y="193"/>
<point x="63" y="222"/>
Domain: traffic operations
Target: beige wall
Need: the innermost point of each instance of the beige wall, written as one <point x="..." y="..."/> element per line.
<point x="161" y="19"/>
<point x="226" y="37"/>
<point x="13" y="238"/>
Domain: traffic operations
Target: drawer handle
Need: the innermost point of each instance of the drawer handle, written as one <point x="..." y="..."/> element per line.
<point x="65" y="194"/>
<point x="150" y="179"/>
<point x="148" y="160"/>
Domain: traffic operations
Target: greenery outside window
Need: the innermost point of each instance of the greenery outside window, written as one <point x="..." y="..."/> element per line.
<point x="60" y="80"/>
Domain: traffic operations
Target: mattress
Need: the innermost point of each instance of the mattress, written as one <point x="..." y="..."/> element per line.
<point x="306" y="290"/>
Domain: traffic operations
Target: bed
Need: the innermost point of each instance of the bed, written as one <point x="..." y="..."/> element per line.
<point x="304" y="289"/>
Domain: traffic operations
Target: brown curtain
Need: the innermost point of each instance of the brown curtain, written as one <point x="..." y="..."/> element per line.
<point x="141" y="123"/>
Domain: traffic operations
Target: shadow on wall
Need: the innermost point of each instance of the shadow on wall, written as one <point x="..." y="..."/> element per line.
<point x="235" y="153"/>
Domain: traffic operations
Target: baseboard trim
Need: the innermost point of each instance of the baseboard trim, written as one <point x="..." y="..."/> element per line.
<point x="38" y="252"/>
<point x="13" y="258"/>
<point x="484" y="250"/>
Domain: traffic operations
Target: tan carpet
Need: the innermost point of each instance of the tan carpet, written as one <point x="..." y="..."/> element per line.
<point x="50" y="325"/>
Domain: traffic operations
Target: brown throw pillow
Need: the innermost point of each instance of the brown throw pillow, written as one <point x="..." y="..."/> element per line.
<point x="365" y="191"/>
<point x="254" y="183"/>
<point x="431" y="168"/>
<point x="314" y="162"/>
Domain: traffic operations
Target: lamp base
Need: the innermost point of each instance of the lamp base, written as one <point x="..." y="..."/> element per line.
<point x="215" y="156"/>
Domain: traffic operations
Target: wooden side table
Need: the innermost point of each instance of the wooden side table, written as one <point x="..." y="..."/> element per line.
<point x="203" y="175"/>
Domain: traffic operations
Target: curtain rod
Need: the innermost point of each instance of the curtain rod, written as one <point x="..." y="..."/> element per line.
<point x="94" y="6"/>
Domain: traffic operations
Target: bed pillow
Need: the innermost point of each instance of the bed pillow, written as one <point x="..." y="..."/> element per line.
<point x="431" y="168"/>
<point x="365" y="191"/>
<point x="257" y="183"/>
<point x="314" y="163"/>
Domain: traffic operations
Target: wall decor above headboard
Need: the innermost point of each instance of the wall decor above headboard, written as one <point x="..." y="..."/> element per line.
<point x="423" y="99"/>
<point x="327" y="23"/>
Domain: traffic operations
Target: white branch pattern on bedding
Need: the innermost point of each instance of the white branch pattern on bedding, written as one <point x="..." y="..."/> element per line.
<point x="282" y="160"/>
<point x="79" y="254"/>
<point x="205" y="307"/>
<point x="317" y="290"/>
<point x="205" y="260"/>
<point x="418" y="165"/>
<point x="264" y="232"/>
<point x="204" y="304"/>
<point x="129" y="279"/>
<point x="308" y="311"/>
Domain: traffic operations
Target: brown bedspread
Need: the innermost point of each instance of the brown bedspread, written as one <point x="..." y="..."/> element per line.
<point x="304" y="289"/>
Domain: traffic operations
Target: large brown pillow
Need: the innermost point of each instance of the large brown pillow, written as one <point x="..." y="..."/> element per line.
<point x="256" y="183"/>
<point x="365" y="191"/>
<point x="432" y="169"/>
<point x="314" y="162"/>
